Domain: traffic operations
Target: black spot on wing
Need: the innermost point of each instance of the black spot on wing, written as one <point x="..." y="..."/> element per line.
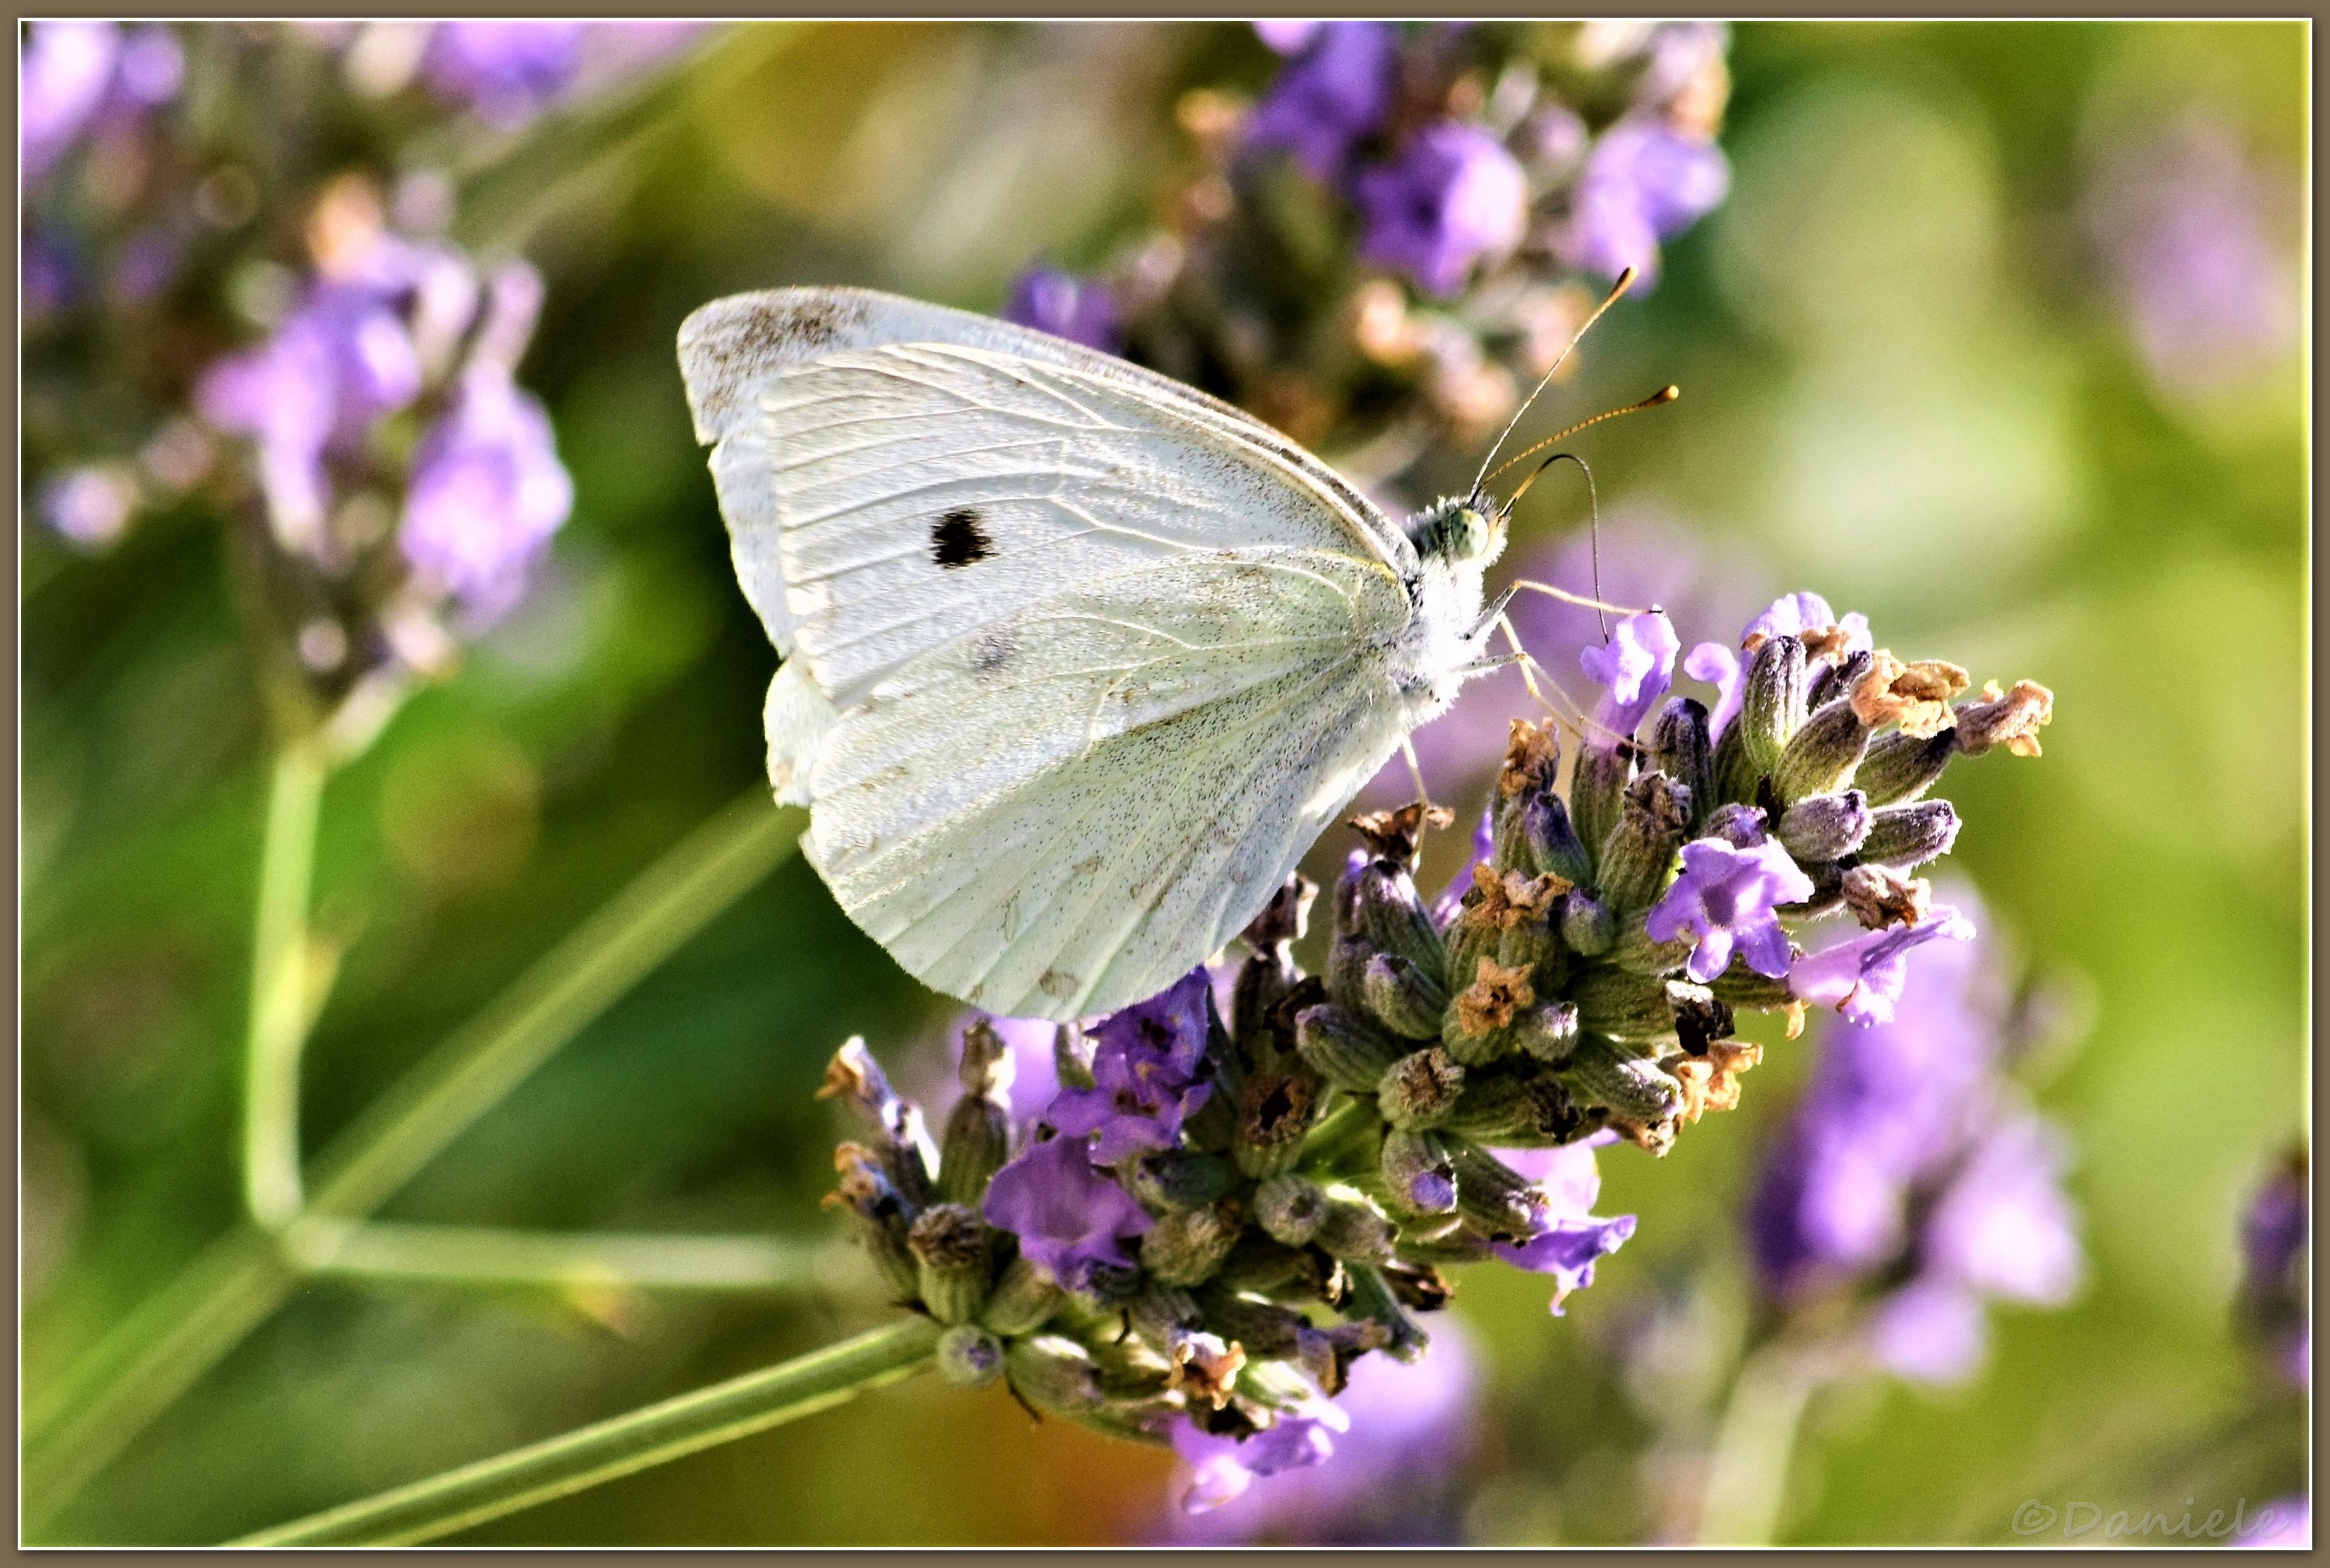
<point x="959" y="538"/>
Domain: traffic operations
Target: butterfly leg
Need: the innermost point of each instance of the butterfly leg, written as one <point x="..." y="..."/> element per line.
<point x="1566" y="597"/>
<point x="1573" y="721"/>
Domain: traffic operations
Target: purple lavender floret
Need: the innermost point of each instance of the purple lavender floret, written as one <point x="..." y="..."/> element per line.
<point x="1411" y="1428"/>
<point x="1452" y="197"/>
<point x="2274" y="1243"/>
<point x="1727" y="897"/>
<point x="1635" y="668"/>
<point x="1791" y="614"/>
<point x="63" y="77"/>
<point x="1080" y="309"/>
<point x="1862" y="976"/>
<point x="487" y="493"/>
<point x="1644" y="182"/>
<point x="1071" y="1217"/>
<point x="1573" y="1236"/>
<point x="1145" y="1062"/>
<point x="1333" y="95"/>
<point x="1222" y="1467"/>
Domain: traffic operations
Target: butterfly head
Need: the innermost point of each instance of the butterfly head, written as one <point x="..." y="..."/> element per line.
<point x="1465" y="530"/>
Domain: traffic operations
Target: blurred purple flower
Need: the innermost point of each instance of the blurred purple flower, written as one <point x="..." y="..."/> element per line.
<point x="62" y="76"/>
<point x="1862" y="976"/>
<point x="487" y="494"/>
<point x="1287" y="35"/>
<point x="1080" y="309"/>
<point x="2186" y="224"/>
<point x="1411" y="1430"/>
<point x="506" y="71"/>
<point x="1145" y="1062"/>
<point x="1634" y="668"/>
<point x="1910" y="1157"/>
<point x="1451" y="197"/>
<point x="1070" y="1219"/>
<point x="334" y="367"/>
<point x="1727" y="897"/>
<point x="2286" y="1523"/>
<point x="2274" y="1254"/>
<point x="1333" y="95"/>
<point x="92" y="506"/>
<point x="1644" y="182"/>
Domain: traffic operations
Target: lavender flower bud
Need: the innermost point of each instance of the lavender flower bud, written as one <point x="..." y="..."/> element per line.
<point x="1551" y="842"/>
<point x="1188" y="1248"/>
<point x="1641" y="849"/>
<point x="1475" y="1032"/>
<point x="1344" y="1048"/>
<point x="1822" y="756"/>
<point x="1352" y="1230"/>
<point x="1275" y="1110"/>
<point x="1473" y="936"/>
<point x="1636" y="954"/>
<point x="1372" y="1299"/>
<point x="1396" y="921"/>
<point x="1547" y="1031"/>
<point x="1600" y="1073"/>
<point x="1597" y="790"/>
<point x="1054" y="1374"/>
<point x="1269" y="976"/>
<point x="1623" y="1006"/>
<point x="1022" y="1301"/>
<point x="1072" y="1057"/>
<point x="1180" y="1179"/>
<point x="1902" y="767"/>
<point x="1347" y="971"/>
<point x="1495" y="1200"/>
<point x="1587" y="926"/>
<point x="1407" y="1000"/>
<point x="1416" y="1174"/>
<point x="1774" y="710"/>
<point x="1527" y="944"/>
<point x="970" y="1356"/>
<point x="1904" y="837"/>
<point x="1740" y="826"/>
<point x="867" y="1190"/>
<point x="1289" y="1209"/>
<point x="1516" y="1112"/>
<point x="1266" y="1332"/>
<point x="950" y="1245"/>
<point x="1420" y="1089"/>
<point x="978" y="1141"/>
<point x="1825" y="827"/>
<point x="1680" y="749"/>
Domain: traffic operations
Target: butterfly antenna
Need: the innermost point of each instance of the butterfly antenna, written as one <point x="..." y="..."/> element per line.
<point x="1625" y="282"/>
<point x="1593" y="525"/>
<point x="1659" y="399"/>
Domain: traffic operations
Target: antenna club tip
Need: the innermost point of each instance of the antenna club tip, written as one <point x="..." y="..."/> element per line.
<point x="1669" y="393"/>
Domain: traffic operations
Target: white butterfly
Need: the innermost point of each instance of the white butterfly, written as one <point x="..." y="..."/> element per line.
<point x="1077" y="660"/>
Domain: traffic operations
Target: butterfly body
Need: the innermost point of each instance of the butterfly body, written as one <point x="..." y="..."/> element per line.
<point x="1077" y="660"/>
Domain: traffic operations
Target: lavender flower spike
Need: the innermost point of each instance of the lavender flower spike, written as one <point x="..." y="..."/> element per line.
<point x="487" y="493"/>
<point x="1861" y="976"/>
<point x="1071" y="1220"/>
<point x="1643" y="182"/>
<point x="1728" y="899"/>
<point x="1144" y="1073"/>
<point x="1454" y="197"/>
<point x="1636" y="666"/>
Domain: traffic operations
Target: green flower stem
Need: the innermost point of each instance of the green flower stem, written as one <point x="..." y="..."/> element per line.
<point x="157" y="1353"/>
<point x="489" y="1255"/>
<point x="559" y="1466"/>
<point x="279" y="988"/>
<point x="1748" y="1474"/>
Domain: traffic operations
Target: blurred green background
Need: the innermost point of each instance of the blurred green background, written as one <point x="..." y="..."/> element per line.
<point x="1909" y="386"/>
